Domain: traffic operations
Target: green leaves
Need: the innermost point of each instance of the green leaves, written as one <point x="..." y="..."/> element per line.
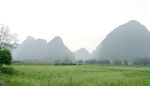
<point x="5" y="57"/>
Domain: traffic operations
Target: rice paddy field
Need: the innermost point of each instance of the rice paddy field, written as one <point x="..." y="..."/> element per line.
<point x="84" y="75"/>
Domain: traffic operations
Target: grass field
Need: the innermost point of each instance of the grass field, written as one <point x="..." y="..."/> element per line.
<point x="31" y="75"/>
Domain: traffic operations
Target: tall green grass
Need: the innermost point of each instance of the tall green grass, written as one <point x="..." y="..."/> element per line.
<point x="31" y="75"/>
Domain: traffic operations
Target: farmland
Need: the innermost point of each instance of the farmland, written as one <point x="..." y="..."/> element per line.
<point x="84" y="75"/>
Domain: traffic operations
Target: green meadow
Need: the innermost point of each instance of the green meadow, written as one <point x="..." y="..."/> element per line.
<point x="84" y="75"/>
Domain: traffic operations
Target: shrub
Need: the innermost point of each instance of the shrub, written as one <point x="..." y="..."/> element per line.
<point x="7" y="70"/>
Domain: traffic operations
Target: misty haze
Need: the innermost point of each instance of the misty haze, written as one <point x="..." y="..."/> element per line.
<point x="128" y="42"/>
<point x="74" y="43"/>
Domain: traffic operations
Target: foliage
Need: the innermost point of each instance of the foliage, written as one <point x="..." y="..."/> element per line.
<point x="5" y="57"/>
<point x="7" y="70"/>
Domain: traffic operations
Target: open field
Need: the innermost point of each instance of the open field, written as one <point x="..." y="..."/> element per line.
<point x="31" y="75"/>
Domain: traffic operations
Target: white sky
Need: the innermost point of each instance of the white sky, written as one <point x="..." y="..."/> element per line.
<point x="80" y="23"/>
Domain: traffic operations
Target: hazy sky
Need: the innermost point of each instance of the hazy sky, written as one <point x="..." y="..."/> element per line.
<point x="80" y="23"/>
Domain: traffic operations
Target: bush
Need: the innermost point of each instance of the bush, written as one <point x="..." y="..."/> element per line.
<point x="141" y="61"/>
<point x="7" y="70"/>
<point x="6" y="58"/>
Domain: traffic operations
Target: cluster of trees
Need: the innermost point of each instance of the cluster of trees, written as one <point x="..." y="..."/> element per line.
<point x="65" y="61"/>
<point x="137" y="61"/>
<point x="6" y="42"/>
<point x="141" y="61"/>
<point x="93" y="61"/>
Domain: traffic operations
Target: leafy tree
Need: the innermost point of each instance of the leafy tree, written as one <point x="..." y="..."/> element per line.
<point x="5" y="57"/>
<point x="6" y="42"/>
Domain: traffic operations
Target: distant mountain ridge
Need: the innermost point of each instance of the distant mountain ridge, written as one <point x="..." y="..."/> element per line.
<point x="41" y="51"/>
<point x="128" y="41"/>
<point x="82" y="54"/>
